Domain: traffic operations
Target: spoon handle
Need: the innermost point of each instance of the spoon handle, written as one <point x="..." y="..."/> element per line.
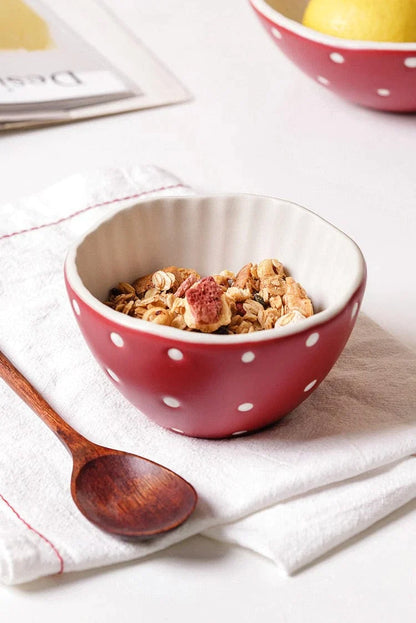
<point x="15" y="379"/>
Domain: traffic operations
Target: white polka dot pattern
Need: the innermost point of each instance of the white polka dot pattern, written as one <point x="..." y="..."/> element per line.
<point x="336" y="57"/>
<point x="171" y="402"/>
<point x="410" y="61"/>
<point x="248" y="357"/>
<point x="310" y="385"/>
<point x="354" y="309"/>
<point x="75" y="307"/>
<point x="113" y="375"/>
<point x="312" y="339"/>
<point x="239" y="432"/>
<point x="383" y="92"/>
<point x="323" y="80"/>
<point x="175" y="354"/>
<point x="245" y="406"/>
<point x="117" y="339"/>
<point x="276" y="33"/>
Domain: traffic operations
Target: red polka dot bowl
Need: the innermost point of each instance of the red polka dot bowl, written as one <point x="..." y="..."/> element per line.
<point x="211" y="385"/>
<point x="373" y="74"/>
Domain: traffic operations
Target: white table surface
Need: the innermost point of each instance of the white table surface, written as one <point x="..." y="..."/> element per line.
<point x="255" y="124"/>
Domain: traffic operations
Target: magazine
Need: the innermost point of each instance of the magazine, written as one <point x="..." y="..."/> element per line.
<point x="62" y="61"/>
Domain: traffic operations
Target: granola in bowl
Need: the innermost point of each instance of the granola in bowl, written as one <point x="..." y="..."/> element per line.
<point x="259" y="297"/>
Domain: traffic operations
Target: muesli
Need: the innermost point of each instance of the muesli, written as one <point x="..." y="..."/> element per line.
<point x="259" y="297"/>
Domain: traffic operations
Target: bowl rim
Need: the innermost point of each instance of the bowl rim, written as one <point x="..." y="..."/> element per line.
<point x="178" y="335"/>
<point x="263" y="7"/>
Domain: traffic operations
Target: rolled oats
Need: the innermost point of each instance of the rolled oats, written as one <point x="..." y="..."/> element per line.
<point x="268" y="317"/>
<point x="163" y="280"/>
<point x="291" y="317"/>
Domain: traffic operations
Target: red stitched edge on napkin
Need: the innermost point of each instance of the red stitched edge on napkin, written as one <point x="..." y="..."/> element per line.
<point x="61" y="560"/>
<point x="95" y="205"/>
<point x="51" y="224"/>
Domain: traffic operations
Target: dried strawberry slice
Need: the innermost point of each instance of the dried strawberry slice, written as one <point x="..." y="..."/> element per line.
<point x="204" y="299"/>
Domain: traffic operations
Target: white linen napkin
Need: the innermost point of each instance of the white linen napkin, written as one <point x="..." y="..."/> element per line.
<point x="334" y="466"/>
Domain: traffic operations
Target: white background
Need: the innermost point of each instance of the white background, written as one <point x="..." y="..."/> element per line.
<point x="255" y="124"/>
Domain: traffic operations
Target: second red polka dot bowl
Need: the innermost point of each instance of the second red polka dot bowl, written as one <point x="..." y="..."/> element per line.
<point x="211" y="385"/>
<point x="374" y="74"/>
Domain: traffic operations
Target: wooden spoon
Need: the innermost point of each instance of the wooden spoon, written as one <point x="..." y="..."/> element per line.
<point x="119" y="492"/>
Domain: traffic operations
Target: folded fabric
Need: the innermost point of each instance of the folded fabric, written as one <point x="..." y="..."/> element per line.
<point x="334" y="466"/>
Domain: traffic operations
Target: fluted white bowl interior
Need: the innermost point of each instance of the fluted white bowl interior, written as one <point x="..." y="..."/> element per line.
<point x="210" y="234"/>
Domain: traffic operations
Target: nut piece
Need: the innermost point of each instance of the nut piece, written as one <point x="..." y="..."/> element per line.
<point x="296" y="298"/>
<point x="274" y="286"/>
<point x="206" y="306"/>
<point x="245" y="279"/>
<point x="143" y="284"/>
<point x="272" y="281"/>
<point x="270" y="268"/>
<point x="185" y="285"/>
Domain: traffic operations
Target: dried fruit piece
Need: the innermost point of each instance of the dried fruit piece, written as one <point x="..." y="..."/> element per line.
<point x="245" y="280"/>
<point x="260" y="300"/>
<point x="206" y="306"/>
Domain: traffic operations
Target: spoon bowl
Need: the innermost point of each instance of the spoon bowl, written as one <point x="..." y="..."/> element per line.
<point x="121" y="493"/>
<point x="130" y="496"/>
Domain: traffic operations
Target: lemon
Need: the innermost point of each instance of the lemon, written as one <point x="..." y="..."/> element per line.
<point x="366" y="20"/>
